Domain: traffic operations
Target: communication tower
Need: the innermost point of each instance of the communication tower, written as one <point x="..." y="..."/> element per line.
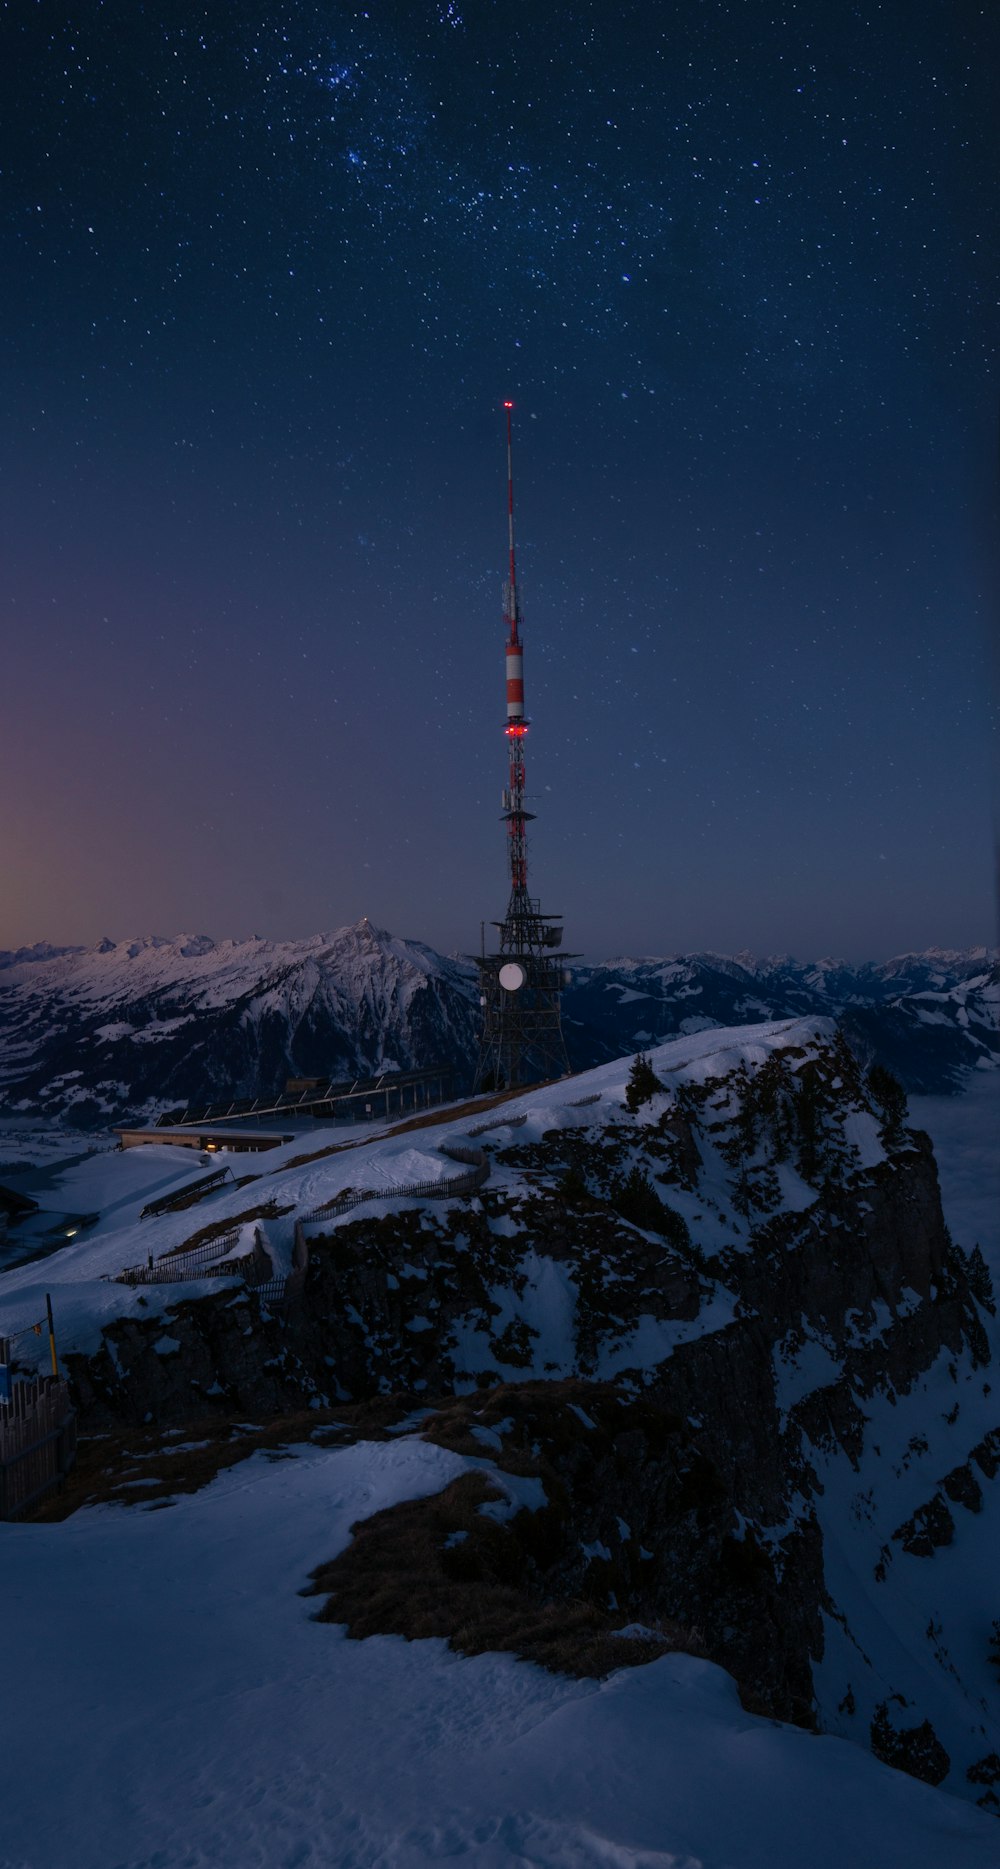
<point x="521" y="984"/>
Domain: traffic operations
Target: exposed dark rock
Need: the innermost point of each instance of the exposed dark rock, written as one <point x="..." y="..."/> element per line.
<point x="986" y="1453"/>
<point x="684" y="1154"/>
<point x="679" y="1495"/>
<point x="930" y="1527"/>
<point x="986" y="1771"/>
<point x="638" y="1525"/>
<point x="963" y="1488"/>
<point x="206" y="1355"/>
<point x="913" y="1749"/>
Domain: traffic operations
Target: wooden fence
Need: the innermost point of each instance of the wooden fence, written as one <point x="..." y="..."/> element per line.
<point x="189" y="1194"/>
<point x="256" y="1268"/>
<point x="37" y="1442"/>
<point x="180" y="1265"/>
<point x="277" y="1293"/>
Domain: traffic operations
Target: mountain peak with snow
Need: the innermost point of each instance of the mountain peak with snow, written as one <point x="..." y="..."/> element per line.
<point x="128" y="1027"/>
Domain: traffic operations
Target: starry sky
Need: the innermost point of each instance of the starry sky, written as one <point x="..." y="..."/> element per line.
<point x="269" y="275"/>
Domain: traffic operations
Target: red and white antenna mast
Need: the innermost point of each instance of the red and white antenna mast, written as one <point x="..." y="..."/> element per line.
<point x="521" y="983"/>
<point x="516" y="726"/>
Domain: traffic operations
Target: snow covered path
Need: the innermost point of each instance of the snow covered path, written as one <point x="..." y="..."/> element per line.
<point x="190" y="1713"/>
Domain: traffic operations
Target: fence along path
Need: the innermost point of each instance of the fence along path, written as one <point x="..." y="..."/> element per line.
<point x="254" y="1268"/>
<point x="180" y="1265"/>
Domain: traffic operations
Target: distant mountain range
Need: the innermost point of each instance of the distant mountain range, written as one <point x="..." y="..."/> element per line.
<point x="132" y="1027"/>
<point x="930" y="1017"/>
<point x="136" y="1026"/>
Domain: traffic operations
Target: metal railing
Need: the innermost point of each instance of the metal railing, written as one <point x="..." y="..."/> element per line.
<point x="328" y="1092"/>
<point x="173" y="1267"/>
<point x="272" y="1291"/>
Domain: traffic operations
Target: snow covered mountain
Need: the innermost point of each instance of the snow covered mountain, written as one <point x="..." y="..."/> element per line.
<point x="123" y="1028"/>
<point x="931" y="1018"/>
<point x="129" y="1026"/>
<point x="697" y="1385"/>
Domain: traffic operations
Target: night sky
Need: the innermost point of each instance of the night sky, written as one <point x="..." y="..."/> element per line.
<point x="267" y="278"/>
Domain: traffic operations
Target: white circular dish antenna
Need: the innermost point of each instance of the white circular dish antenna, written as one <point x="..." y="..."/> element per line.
<point x="511" y="976"/>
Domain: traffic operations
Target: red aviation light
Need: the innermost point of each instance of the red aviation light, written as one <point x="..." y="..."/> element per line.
<point x="516" y="732"/>
<point x="508" y="405"/>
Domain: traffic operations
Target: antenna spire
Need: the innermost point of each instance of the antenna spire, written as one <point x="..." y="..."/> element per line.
<point x="511" y="605"/>
<point x="513" y="610"/>
<point x="521" y="984"/>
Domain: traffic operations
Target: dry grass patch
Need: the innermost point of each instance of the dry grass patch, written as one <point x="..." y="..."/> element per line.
<point x="438" y="1567"/>
<point x="151" y="1467"/>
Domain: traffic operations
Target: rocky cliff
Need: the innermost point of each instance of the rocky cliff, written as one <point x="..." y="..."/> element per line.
<point x="718" y="1350"/>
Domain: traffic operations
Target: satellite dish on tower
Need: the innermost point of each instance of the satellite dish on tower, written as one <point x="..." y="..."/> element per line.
<point x="511" y="976"/>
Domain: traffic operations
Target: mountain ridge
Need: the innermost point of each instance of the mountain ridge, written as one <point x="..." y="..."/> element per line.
<point x="89" y="1034"/>
<point x="715" y="1342"/>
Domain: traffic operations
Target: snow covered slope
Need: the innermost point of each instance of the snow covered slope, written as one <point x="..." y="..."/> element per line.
<point x="722" y="1344"/>
<point x="177" y="1707"/>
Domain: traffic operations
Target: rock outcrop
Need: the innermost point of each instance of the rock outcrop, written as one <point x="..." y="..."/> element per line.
<point x="731" y="1357"/>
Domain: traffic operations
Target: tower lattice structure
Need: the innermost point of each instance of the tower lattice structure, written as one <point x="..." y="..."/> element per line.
<point x="521" y="983"/>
